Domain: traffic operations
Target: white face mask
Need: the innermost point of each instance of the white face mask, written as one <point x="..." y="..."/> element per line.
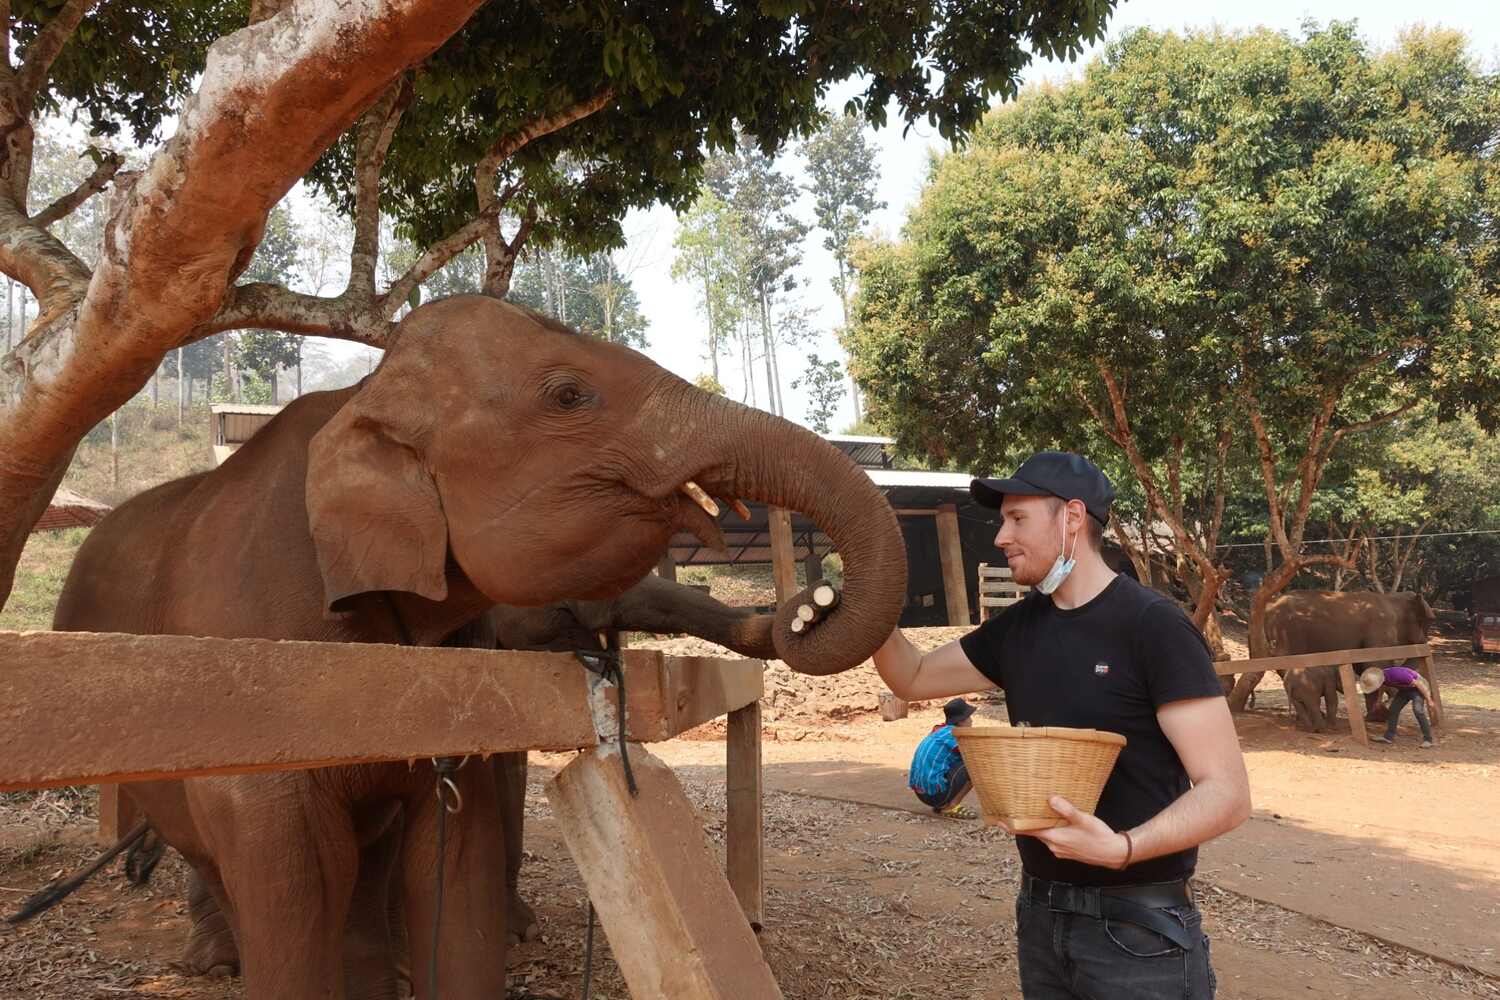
<point x="1060" y="567"/>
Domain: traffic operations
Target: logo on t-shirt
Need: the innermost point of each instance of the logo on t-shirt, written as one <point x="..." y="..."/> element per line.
<point x="1101" y="669"/>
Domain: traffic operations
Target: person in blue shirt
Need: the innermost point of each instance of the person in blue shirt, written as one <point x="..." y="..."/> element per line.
<point x="937" y="774"/>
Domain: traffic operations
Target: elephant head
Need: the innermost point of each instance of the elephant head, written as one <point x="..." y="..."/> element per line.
<point x="543" y="465"/>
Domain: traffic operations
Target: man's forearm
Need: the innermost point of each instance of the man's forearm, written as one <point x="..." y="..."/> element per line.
<point x="1204" y="812"/>
<point x="898" y="661"/>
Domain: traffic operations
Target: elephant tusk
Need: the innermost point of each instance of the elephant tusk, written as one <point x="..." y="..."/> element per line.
<point x="740" y="509"/>
<point x="701" y="498"/>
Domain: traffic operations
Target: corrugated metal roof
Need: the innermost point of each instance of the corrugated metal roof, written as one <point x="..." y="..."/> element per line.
<point x="921" y="477"/>
<point x="71" y="510"/>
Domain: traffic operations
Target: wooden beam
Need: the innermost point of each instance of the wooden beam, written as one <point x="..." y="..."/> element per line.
<point x="951" y="553"/>
<point x="674" y="925"/>
<point x="744" y="842"/>
<point x="667" y="567"/>
<point x="916" y="511"/>
<point x="177" y="706"/>
<point x="1332" y="658"/>
<point x="783" y="563"/>
<point x="1354" y="705"/>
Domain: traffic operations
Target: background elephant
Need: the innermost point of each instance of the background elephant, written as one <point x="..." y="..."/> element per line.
<point x="494" y="457"/>
<point x="1312" y="621"/>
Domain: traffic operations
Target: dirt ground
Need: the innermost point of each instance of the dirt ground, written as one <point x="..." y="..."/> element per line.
<point x="1370" y="873"/>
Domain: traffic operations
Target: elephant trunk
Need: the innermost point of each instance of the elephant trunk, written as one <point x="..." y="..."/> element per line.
<point x="735" y="451"/>
<point x="661" y="606"/>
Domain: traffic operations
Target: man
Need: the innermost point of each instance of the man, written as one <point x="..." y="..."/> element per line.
<point x="937" y="774"/>
<point x="1406" y="685"/>
<point x="1105" y="908"/>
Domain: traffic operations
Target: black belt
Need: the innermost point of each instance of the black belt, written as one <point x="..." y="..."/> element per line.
<point x="1133" y="904"/>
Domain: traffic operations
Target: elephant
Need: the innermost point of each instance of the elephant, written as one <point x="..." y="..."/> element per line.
<point x="494" y="457"/>
<point x="654" y="605"/>
<point x="1311" y="621"/>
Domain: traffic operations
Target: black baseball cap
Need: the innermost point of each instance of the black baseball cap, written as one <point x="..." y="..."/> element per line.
<point x="1059" y="474"/>
<point x="957" y="711"/>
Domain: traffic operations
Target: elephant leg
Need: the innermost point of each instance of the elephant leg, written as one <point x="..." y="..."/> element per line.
<point x="469" y="959"/>
<point x="211" y="949"/>
<point x="1303" y="702"/>
<point x="289" y="859"/>
<point x="371" y="946"/>
<point x="510" y="785"/>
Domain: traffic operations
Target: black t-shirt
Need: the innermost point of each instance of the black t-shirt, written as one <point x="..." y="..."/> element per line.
<point x="1108" y="665"/>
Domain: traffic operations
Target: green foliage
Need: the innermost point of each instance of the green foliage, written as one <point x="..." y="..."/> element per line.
<point x="129" y="65"/>
<point x="708" y="246"/>
<point x="684" y="75"/>
<point x="1223" y="223"/>
<point x="709" y="384"/>
<point x="824" y="381"/>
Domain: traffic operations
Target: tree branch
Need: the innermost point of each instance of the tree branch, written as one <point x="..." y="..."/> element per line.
<point x="45" y="48"/>
<point x="509" y="145"/>
<point x="1365" y="425"/>
<point x="270" y="100"/>
<point x="377" y="127"/>
<point x="68" y="203"/>
<point x="438" y="254"/>
<point x="267" y="306"/>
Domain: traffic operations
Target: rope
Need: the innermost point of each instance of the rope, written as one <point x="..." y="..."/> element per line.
<point x="444" y="767"/>
<point x="588" y="955"/>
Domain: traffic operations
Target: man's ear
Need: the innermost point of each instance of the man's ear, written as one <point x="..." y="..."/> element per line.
<point x="376" y="519"/>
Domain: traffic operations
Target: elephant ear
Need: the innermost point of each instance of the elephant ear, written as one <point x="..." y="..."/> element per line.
<point x="376" y="519"/>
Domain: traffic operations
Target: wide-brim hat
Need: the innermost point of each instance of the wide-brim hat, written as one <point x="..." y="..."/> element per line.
<point x="1370" y="680"/>
<point x="957" y="711"/>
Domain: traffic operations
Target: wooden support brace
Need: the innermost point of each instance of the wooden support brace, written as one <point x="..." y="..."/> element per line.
<point x="1354" y="705"/>
<point x="667" y="568"/>
<point x="744" y="844"/>
<point x="951" y="554"/>
<point x="674" y="925"/>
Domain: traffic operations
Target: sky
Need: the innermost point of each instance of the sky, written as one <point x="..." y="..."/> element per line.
<point x="677" y="332"/>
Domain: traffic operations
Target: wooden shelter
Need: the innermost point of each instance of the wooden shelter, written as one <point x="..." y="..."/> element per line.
<point x="947" y="536"/>
<point x="231" y="424"/>
<point x="71" y="510"/>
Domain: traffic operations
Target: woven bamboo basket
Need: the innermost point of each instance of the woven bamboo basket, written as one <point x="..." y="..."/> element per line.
<point x="1016" y="768"/>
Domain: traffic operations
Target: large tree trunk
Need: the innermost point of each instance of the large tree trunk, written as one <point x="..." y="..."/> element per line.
<point x="272" y="97"/>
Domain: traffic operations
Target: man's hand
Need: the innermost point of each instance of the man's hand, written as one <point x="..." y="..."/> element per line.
<point x="1086" y="837"/>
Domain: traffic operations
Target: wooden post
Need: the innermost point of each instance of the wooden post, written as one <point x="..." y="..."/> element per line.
<point x="783" y="565"/>
<point x="744" y="845"/>
<point x="812" y="566"/>
<point x="673" y="923"/>
<point x="117" y="814"/>
<point x="1353" y="704"/>
<point x="950" y="551"/>
<point x="1429" y="674"/>
<point x="667" y="568"/>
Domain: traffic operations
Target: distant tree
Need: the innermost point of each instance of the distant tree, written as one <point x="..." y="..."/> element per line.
<point x="762" y="201"/>
<point x="589" y="293"/>
<point x="1226" y="255"/>
<point x="844" y="175"/>
<point x="824" y="381"/>
<point x="707" y="246"/>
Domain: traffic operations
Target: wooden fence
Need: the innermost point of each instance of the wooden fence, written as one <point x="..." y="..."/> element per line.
<point x="1344" y="660"/>
<point x="997" y="589"/>
<point x="87" y="708"/>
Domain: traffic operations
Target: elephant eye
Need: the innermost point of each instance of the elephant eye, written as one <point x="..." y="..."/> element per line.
<point x="569" y="396"/>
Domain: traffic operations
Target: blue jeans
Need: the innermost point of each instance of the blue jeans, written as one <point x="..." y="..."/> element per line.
<point x="1069" y="955"/>
<point x="1418" y="708"/>
<point x="958" y="786"/>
